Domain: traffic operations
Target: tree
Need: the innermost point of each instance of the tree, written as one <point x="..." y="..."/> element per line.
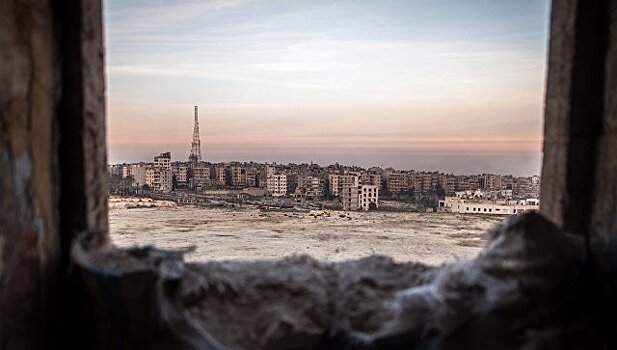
<point x="174" y="182"/>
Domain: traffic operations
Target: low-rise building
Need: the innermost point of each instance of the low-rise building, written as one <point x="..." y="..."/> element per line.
<point x="484" y="206"/>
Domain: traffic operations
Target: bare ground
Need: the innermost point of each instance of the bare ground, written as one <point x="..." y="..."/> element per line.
<point x="248" y="234"/>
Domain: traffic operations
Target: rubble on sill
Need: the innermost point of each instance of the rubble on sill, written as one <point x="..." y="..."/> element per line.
<point x="527" y="289"/>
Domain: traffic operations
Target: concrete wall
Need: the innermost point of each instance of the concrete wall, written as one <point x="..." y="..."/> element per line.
<point x="29" y="218"/>
<point x="579" y="175"/>
<point x="46" y="135"/>
<point x="53" y="186"/>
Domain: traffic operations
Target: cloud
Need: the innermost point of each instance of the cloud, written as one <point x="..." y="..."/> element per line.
<point x="291" y="75"/>
<point x="144" y="16"/>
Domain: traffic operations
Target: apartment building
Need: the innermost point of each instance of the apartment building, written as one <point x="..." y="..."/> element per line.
<point x="251" y="176"/>
<point x="152" y="178"/>
<point x="367" y="178"/>
<point x="220" y="175"/>
<point x="339" y="181"/>
<point x="292" y="182"/>
<point x="270" y="170"/>
<point x="349" y="196"/>
<point x="114" y="169"/>
<point x="201" y="175"/>
<point x="396" y="182"/>
<point x="159" y="179"/>
<point x="127" y="170"/>
<point x="492" y="182"/>
<point x="277" y="185"/>
<point x="368" y="197"/>
<point x="165" y="180"/>
<point x="362" y="197"/>
<point x="138" y="171"/>
<point x="238" y="176"/>
<point x="180" y="171"/>
<point x="163" y="160"/>
<point x="313" y="186"/>
<point x="450" y="185"/>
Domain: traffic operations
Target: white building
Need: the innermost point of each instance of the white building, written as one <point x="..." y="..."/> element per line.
<point x="277" y="185"/>
<point x="492" y="207"/>
<point x="368" y="194"/>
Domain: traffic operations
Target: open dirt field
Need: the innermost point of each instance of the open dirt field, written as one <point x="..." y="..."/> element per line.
<point x="249" y="234"/>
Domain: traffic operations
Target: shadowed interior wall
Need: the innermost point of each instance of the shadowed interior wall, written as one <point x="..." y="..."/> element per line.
<point x="53" y="180"/>
<point x="29" y="217"/>
<point x="579" y="175"/>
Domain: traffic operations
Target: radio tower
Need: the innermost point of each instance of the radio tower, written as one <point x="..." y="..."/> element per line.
<point x="196" y="145"/>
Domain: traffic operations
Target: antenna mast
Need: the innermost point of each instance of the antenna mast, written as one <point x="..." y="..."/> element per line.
<point x="196" y="145"/>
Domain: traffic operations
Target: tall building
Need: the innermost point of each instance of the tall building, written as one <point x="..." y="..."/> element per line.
<point x="163" y="161"/>
<point x="277" y="185"/>
<point x="397" y="181"/>
<point x="180" y="171"/>
<point x="139" y="174"/>
<point x="220" y="174"/>
<point x="368" y="197"/>
<point x="238" y="176"/>
<point x="349" y="197"/>
<point x="201" y="175"/>
<point x="196" y="145"/>
<point x="337" y="182"/>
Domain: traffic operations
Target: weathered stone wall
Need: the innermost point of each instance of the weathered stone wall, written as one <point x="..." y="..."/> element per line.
<point x="579" y="175"/>
<point x="53" y="179"/>
<point x="29" y="240"/>
<point x="534" y="287"/>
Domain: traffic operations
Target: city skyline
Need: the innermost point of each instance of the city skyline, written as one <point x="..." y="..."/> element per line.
<point x="427" y="84"/>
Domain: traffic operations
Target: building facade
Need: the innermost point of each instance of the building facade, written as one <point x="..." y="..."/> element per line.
<point x="277" y="185"/>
